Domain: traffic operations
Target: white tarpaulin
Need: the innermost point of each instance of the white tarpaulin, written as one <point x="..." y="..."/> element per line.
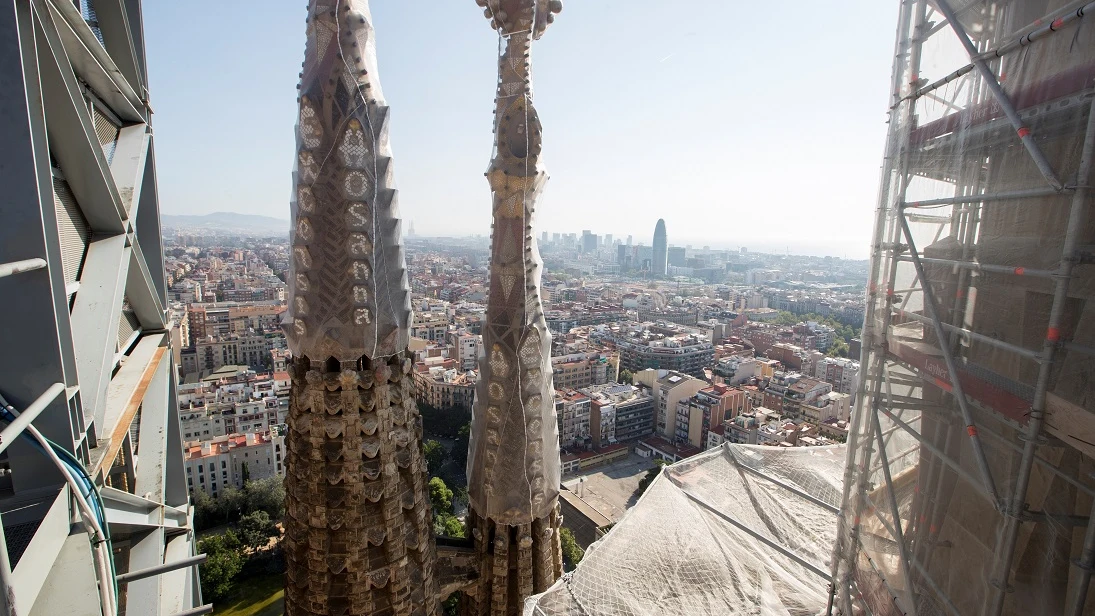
<point x="737" y="530"/>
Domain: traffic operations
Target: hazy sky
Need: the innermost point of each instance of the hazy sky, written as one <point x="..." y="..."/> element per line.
<point x="739" y="123"/>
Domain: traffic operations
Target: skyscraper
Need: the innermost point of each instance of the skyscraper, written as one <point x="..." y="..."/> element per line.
<point x="659" y="265"/>
<point x="358" y="530"/>
<point x="84" y="329"/>
<point x="513" y="459"/>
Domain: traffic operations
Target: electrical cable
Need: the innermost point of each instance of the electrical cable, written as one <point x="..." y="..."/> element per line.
<point x="85" y="494"/>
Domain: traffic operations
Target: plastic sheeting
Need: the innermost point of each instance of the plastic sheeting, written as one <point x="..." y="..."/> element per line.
<point x="979" y="508"/>
<point x="681" y="549"/>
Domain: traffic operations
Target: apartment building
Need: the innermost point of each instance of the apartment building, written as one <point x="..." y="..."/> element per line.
<point x="841" y="373"/>
<point x="223" y="318"/>
<point x="442" y="385"/>
<point x="668" y="388"/>
<point x="578" y="370"/>
<point x="572" y="412"/>
<point x="708" y="408"/>
<point x="224" y="462"/>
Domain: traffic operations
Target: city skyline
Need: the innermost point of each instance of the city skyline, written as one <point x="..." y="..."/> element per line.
<point x="713" y="155"/>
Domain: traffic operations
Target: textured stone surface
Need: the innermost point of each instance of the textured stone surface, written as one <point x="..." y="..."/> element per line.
<point x="359" y="534"/>
<point x="348" y="291"/>
<point x="513" y="464"/>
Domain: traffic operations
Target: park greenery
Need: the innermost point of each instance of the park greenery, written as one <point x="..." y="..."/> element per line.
<point x="572" y="552"/>
<point x="843" y="333"/>
<point x="251" y="515"/>
<point x="650" y="476"/>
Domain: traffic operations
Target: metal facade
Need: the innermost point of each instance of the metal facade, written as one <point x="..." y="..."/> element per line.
<point x="83" y="326"/>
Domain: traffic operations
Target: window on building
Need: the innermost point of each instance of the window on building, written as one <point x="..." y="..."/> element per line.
<point x="201" y="469"/>
<point x="224" y="464"/>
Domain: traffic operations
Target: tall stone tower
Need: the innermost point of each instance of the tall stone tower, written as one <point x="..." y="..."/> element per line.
<point x="513" y="465"/>
<point x="659" y="265"/>
<point x="359" y="536"/>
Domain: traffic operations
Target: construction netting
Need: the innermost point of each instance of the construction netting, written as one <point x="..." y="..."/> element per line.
<point x="970" y="486"/>
<point x="741" y="529"/>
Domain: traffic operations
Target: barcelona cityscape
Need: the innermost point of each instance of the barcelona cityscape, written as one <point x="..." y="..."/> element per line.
<point x="593" y="309"/>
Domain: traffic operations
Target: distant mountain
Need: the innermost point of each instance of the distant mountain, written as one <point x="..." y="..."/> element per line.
<point x="228" y="222"/>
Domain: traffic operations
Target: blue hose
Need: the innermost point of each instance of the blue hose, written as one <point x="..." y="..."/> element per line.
<point x="77" y="471"/>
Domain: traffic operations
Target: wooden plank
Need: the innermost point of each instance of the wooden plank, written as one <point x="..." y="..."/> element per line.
<point x="126" y="392"/>
<point x="1071" y="423"/>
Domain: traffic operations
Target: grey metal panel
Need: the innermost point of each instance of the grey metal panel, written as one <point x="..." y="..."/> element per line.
<point x="70" y="587"/>
<point x="73" y="230"/>
<point x="71" y="141"/>
<point x="128" y="166"/>
<point x="29" y="576"/>
<point x="175" y="491"/>
<point x="95" y="334"/>
<point x="134" y="513"/>
<point x="118" y="40"/>
<point x="141" y="290"/>
<point x="34" y="324"/>
<point x="143" y="596"/>
<point x="152" y="442"/>
<point x="147" y="225"/>
<point x="92" y="62"/>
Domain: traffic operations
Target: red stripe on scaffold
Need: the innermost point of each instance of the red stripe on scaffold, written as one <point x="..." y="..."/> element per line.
<point x="1053" y="334"/>
<point x="1023" y="131"/>
<point x="1019" y="271"/>
<point x="941" y="384"/>
<point x="1057" y="23"/>
<point x="971" y="430"/>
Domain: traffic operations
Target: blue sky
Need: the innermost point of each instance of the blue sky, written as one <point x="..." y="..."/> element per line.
<point x="739" y="123"/>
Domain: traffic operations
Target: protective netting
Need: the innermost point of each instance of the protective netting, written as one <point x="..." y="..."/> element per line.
<point x="970" y="482"/>
<point x="711" y="536"/>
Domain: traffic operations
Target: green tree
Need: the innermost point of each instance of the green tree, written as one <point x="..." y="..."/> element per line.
<point x="838" y="349"/>
<point x="451" y="606"/>
<point x="572" y="553"/>
<point x="435" y="455"/>
<point x="245" y="473"/>
<point x="256" y="529"/>
<point x="626" y="376"/>
<point x="440" y="497"/>
<point x="786" y="318"/>
<point x="223" y="563"/>
<point x="207" y="512"/>
<point x="650" y="476"/>
<point x="448" y="525"/>
<point x="264" y="495"/>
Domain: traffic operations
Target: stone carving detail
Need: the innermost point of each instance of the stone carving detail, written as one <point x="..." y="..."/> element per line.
<point x="346" y="218"/>
<point x="513" y="464"/>
<point x="358" y="529"/>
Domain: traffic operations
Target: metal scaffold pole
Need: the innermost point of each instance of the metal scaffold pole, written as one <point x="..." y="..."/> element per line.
<point x="1050" y="344"/>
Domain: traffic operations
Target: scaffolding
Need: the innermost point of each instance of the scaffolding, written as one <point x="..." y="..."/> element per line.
<point x="969" y="486"/>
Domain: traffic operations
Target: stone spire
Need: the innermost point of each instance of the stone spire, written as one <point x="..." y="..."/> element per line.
<point x="513" y="465"/>
<point x="359" y="536"/>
